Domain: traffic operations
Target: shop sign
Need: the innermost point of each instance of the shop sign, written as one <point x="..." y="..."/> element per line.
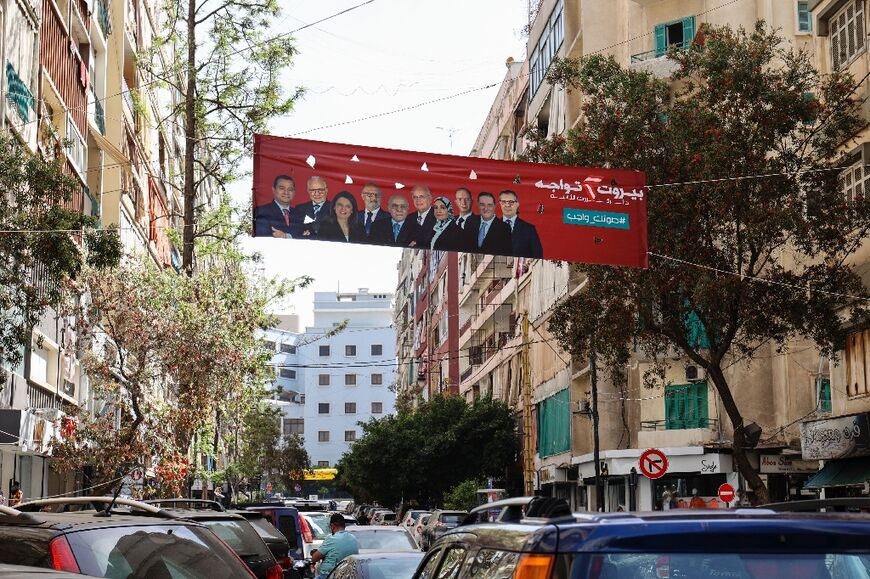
<point x="551" y="474"/>
<point x="833" y="438"/>
<point x="781" y="464"/>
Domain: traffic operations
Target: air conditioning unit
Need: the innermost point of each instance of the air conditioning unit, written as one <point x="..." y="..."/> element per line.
<point x="583" y="407"/>
<point x="695" y="374"/>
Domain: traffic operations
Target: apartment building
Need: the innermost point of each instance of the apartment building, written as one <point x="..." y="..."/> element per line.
<point x="682" y="416"/>
<point x="331" y="383"/>
<point x="73" y="89"/>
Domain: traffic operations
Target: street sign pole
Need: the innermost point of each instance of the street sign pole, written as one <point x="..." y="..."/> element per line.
<point x="596" y="459"/>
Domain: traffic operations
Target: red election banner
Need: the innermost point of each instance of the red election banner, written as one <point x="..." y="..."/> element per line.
<point x="315" y="190"/>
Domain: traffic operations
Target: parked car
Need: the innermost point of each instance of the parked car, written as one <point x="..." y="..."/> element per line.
<point x="440" y="521"/>
<point x="286" y="520"/>
<point x="373" y="514"/>
<point x="315" y="529"/>
<point x="377" y="538"/>
<point x="503" y="511"/>
<point x="69" y="535"/>
<point x="740" y="544"/>
<point x="22" y="572"/>
<point x="377" y="566"/>
<point x="411" y="516"/>
<point x="384" y="518"/>
<point x="417" y="533"/>
<point x="277" y="543"/>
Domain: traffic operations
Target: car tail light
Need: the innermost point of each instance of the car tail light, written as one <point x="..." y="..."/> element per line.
<point x="275" y="572"/>
<point x="534" y="566"/>
<point x="285" y="562"/>
<point x="62" y="558"/>
<point x="307" y="535"/>
<point x="663" y="567"/>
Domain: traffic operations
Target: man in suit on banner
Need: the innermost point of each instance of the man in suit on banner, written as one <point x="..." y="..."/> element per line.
<point x="315" y="211"/>
<point x="524" y="237"/>
<point x="278" y="218"/>
<point x="371" y="196"/>
<point x="399" y="230"/>
<point x="493" y="234"/>
<point x="465" y="217"/>
<point x="423" y="216"/>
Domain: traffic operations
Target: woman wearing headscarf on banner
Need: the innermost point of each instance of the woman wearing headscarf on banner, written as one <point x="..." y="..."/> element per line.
<point x="342" y="225"/>
<point x="446" y="234"/>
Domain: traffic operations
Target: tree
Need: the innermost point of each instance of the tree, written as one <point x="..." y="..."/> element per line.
<point x="40" y="251"/>
<point x="749" y="231"/>
<point x="463" y="497"/>
<point x="231" y="84"/>
<point x="419" y="455"/>
<point x="264" y="452"/>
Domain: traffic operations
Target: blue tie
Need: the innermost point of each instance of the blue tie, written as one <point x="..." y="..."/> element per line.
<point x="368" y="222"/>
<point x="396" y="228"/>
<point x="482" y="234"/>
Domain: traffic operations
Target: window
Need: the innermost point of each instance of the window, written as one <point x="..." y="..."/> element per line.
<point x="686" y="406"/>
<point x="546" y="48"/>
<point x="857" y="351"/>
<point x="323" y="463"/>
<point x="350" y="407"/>
<point x="323" y="408"/>
<point x="847" y="33"/>
<point x="854" y="181"/>
<point x="294" y="426"/>
<point x="270" y="346"/>
<point x="349" y="435"/>
<point x="350" y="350"/>
<point x="350" y="379"/>
<point x="554" y="424"/>
<point x="324" y="350"/>
<point x="288" y="349"/>
<point x="677" y="33"/>
<point x="377" y="350"/>
<point x="288" y="373"/>
<point x="823" y="394"/>
<point x="377" y="379"/>
<point x="804" y="17"/>
<point x="377" y="407"/>
<point x="323" y="379"/>
<point x="322" y="436"/>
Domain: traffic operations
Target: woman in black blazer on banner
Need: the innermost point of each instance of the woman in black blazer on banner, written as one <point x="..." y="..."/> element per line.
<point x="342" y="224"/>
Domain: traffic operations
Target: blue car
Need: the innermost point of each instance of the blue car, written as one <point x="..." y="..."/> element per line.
<point x="286" y="520"/>
<point x="740" y="544"/>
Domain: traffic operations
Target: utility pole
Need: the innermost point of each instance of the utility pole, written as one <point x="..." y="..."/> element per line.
<point x="596" y="455"/>
<point x="528" y="460"/>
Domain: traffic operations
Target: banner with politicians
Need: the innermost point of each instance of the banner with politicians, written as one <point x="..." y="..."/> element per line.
<point x="354" y="194"/>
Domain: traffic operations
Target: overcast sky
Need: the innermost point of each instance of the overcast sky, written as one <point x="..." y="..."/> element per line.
<point x="383" y="56"/>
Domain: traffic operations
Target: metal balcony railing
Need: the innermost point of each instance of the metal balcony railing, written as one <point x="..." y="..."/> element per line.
<point x="656" y="53"/>
<point x="679" y="424"/>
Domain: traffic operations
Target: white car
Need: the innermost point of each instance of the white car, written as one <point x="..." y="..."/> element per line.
<point x="422" y="521"/>
<point x="315" y="528"/>
<point x="411" y="517"/>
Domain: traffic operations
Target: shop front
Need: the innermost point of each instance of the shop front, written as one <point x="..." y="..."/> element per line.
<point x="787" y="476"/>
<point x="843" y="443"/>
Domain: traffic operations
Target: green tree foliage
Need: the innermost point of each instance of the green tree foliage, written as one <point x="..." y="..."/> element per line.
<point x="419" y="455"/>
<point x="463" y="497"/>
<point x="232" y="82"/>
<point x="264" y="453"/>
<point x="748" y="134"/>
<point x="40" y="252"/>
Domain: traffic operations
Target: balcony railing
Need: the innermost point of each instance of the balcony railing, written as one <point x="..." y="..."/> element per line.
<point x="655" y="53"/>
<point x="465" y="374"/>
<point x="679" y="424"/>
<point x="95" y="111"/>
<point x="18" y="93"/>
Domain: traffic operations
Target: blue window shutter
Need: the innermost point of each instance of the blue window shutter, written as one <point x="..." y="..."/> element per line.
<point x="805" y="19"/>
<point x="688" y="31"/>
<point x="661" y="40"/>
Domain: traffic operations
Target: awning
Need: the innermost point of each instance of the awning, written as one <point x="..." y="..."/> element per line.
<point x="841" y="473"/>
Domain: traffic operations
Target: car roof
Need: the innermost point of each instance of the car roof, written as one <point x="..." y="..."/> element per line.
<point x="205" y="515"/>
<point x="369" y="555"/>
<point x="23" y="572"/>
<point x="511" y="502"/>
<point x="79" y="519"/>
<point x="677" y="531"/>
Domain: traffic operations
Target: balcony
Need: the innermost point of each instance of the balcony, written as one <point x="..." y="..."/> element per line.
<point x="656" y="62"/>
<point x="96" y="113"/>
<point x="669" y="433"/>
<point x="19" y="94"/>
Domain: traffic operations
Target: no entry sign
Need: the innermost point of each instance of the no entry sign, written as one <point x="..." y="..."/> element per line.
<point x="653" y="463"/>
<point x="726" y="493"/>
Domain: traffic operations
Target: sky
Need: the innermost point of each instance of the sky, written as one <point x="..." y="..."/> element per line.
<point x="383" y="56"/>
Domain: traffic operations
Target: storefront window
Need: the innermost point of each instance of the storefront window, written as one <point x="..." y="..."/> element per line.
<point x="678" y="489"/>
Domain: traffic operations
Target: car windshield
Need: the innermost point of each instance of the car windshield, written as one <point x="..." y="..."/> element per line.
<point x="319" y="526"/>
<point x="397" y="568"/>
<point x="240" y="537"/>
<point x="384" y="540"/>
<point x="154" y="551"/>
<point x="737" y="566"/>
<point x="266" y="530"/>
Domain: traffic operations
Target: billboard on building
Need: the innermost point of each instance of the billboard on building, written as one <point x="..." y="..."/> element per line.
<point x="313" y="190"/>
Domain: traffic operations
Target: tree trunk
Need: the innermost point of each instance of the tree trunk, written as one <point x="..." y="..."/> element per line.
<point x="739" y="451"/>
<point x="190" y="142"/>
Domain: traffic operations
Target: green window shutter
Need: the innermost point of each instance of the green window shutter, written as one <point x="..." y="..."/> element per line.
<point x="671" y="410"/>
<point x="688" y="31"/>
<point x="825" y="395"/>
<point x="540" y="438"/>
<point x="554" y="424"/>
<point x="805" y="19"/>
<point x="696" y="334"/>
<point x="661" y="40"/>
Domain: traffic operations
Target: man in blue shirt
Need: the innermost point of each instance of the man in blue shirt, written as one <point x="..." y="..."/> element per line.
<point x="334" y="548"/>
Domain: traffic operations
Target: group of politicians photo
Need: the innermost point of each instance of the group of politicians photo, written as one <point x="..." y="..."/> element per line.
<point x="442" y="222"/>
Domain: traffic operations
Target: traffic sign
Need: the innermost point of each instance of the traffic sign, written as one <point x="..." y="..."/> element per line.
<point x="653" y="463"/>
<point x="726" y="493"/>
<point x="136" y="474"/>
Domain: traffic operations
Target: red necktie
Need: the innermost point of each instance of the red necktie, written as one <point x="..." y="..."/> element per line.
<point x="286" y="217"/>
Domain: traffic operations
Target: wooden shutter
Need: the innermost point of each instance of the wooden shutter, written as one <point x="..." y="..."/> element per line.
<point x="688" y="31"/>
<point x="661" y="40"/>
<point x="859" y="24"/>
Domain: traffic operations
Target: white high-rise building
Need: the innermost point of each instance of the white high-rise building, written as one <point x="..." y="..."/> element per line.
<point x="334" y="382"/>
